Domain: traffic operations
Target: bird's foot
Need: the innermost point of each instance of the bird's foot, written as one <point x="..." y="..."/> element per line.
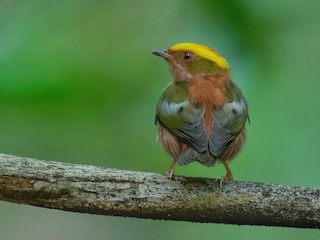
<point x="225" y="178"/>
<point x="228" y="176"/>
<point x="170" y="170"/>
<point x="170" y="173"/>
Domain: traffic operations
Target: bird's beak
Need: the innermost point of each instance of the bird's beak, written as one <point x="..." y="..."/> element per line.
<point x="162" y="53"/>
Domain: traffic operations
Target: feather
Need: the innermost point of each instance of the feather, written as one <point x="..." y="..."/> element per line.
<point x="181" y="118"/>
<point x="228" y="122"/>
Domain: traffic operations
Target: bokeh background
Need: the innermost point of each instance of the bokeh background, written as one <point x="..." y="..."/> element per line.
<point x="78" y="84"/>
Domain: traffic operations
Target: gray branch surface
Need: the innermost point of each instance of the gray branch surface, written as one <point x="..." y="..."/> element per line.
<point x="89" y="189"/>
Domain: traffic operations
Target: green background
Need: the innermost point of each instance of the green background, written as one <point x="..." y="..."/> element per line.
<point x="78" y="84"/>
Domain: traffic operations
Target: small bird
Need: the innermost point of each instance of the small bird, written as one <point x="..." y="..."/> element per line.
<point x="201" y="114"/>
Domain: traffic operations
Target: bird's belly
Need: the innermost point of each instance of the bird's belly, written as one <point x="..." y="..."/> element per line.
<point x="234" y="148"/>
<point x="170" y="143"/>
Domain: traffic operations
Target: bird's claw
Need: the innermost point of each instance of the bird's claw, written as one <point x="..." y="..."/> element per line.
<point x="170" y="173"/>
<point x="225" y="178"/>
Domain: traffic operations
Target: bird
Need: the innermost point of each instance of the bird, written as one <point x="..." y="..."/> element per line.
<point x="201" y="115"/>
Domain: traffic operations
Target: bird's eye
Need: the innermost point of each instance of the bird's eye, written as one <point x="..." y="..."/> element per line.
<point x="187" y="56"/>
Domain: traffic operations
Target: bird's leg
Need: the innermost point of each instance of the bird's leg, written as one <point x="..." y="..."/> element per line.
<point x="170" y="170"/>
<point x="228" y="176"/>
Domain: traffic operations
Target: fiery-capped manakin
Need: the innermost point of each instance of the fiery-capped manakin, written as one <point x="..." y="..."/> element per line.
<point x="201" y="114"/>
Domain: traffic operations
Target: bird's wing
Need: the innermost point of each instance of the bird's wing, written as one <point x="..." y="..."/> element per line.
<point x="229" y="121"/>
<point x="181" y="118"/>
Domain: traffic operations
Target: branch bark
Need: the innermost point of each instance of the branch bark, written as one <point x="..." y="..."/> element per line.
<point x="89" y="189"/>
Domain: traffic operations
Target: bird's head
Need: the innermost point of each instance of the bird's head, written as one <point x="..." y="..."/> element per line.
<point x="189" y="60"/>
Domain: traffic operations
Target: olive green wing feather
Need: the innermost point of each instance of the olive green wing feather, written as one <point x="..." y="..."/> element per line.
<point x="229" y="121"/>
<point x="181" y="118"/>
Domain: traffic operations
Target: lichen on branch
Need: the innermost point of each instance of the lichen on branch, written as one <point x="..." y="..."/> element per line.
<point x="90" y="189"/>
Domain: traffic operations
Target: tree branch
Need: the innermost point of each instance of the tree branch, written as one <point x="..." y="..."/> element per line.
<point x="89" y="189"/>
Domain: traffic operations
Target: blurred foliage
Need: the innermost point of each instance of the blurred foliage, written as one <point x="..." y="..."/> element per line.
<point x="78" y="84"/>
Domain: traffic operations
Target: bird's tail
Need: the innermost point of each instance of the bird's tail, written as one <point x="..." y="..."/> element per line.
<point x="192" y="155"/>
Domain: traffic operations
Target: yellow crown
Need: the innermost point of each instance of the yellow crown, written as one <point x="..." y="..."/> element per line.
<point x="201" y="51"/>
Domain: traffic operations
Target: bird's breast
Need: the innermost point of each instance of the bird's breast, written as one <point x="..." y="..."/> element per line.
<point x="208" y="91"/>
<point x="208" y="121"/>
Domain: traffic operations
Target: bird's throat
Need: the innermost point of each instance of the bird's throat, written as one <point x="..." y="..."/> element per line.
<point x="208" y="90"/>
